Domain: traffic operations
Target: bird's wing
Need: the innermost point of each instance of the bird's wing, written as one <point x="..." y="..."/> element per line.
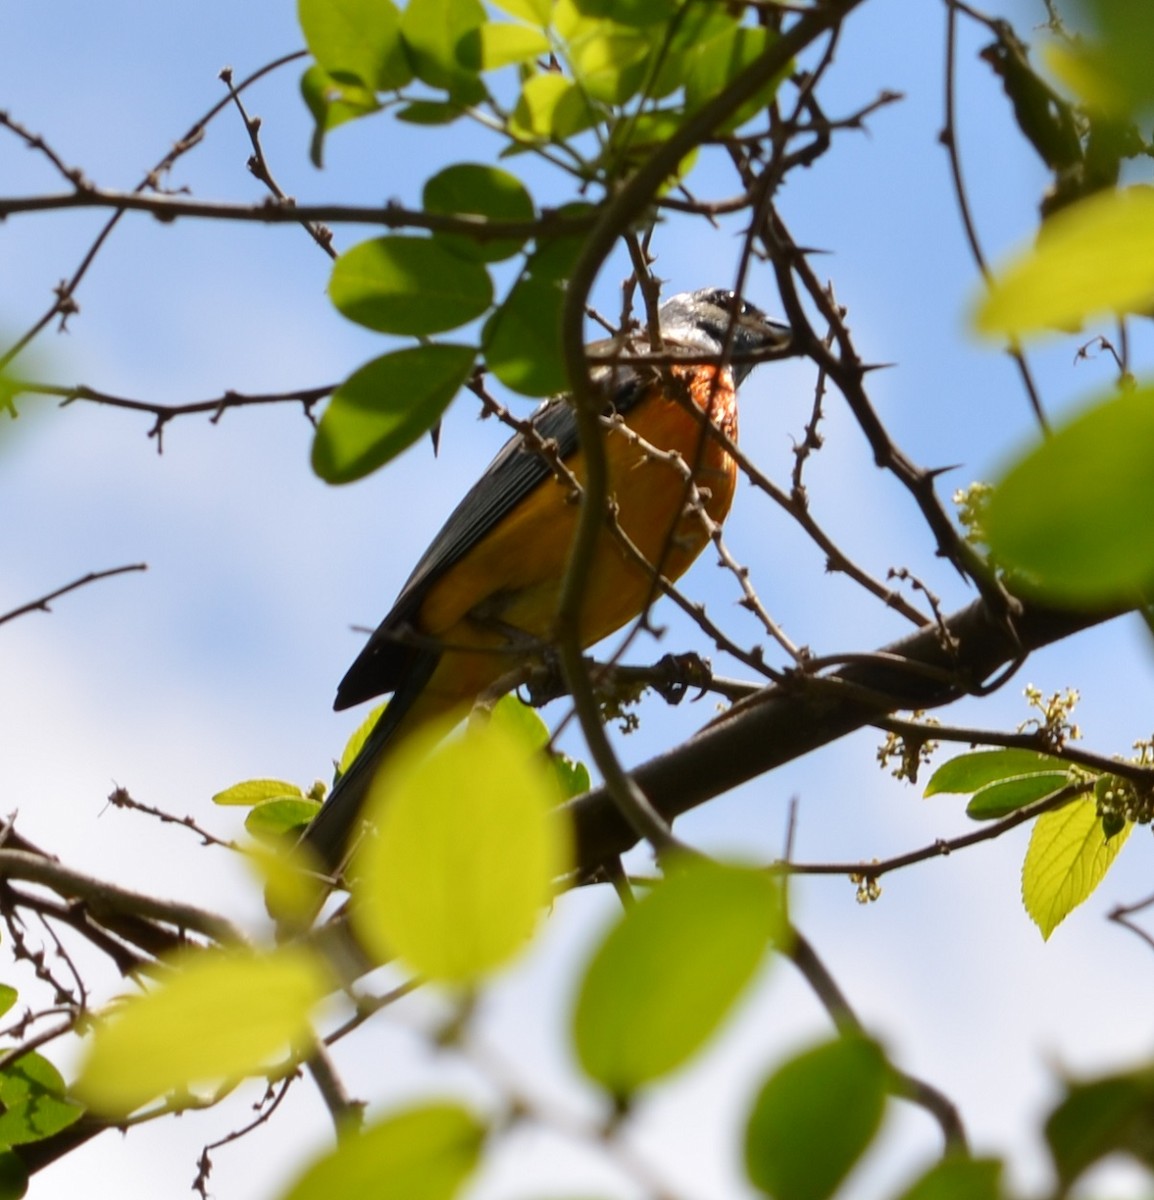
<point x="515" y="473"/>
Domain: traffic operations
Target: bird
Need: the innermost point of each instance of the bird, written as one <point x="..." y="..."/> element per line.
<point x="489" y="583"/>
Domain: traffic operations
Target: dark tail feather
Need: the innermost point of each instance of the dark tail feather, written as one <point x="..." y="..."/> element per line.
<point x="330" y="834"/>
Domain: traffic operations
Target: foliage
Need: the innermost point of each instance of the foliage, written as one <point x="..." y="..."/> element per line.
<point x="608" y="116"/>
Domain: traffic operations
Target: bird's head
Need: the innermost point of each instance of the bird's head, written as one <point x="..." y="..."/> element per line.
<point x="704" y="319"/>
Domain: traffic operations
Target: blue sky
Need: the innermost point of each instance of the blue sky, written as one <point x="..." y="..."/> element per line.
<point x="220" y="663"/>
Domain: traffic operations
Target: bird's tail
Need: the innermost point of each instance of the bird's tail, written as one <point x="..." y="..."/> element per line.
<point x="331" y="834"/>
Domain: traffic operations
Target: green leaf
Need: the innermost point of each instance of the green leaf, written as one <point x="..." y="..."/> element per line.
<point x="814" y="1117"/>
<point x="433" y="31"/>
<point x="1112" y="70"/>
<point x="999" y="799"/>
<point x="499" y="45"/>
<point x="422" y="1153"/>
<point x="469" y="189"/>
<point x="412" y="285"/>
<point x="469" y="845"/>
<point x="1068" y="856"/>
<point x="554" y="257"/>
<point x="958" y="1179"/>
<point x="272" y="820"/>
<point x="536" y="12"/>
<point x="969" y="772"/>
<point x="667" y="974"/>
<point x="573" y="776"/>
<point x="256" y="791"/>
<point x="332" y="104"/>
<point x="550" y="106"/>
<point x="34" y="1105"/>
<point x="1101" y="1117"/>
<point x="13" y="1176"/>
<point x="523" y="723"/>
<point x="221" y="1015"/>
<point x="359" y="736"/>
<point x="8" y="997"/>
<point x="609" y="61"/>
<point x="713" y="66"/>
<point x="522" y="339"/>
<point x="384" y="407"/>
<point x="429" y="112"/>
<point x="1073" y="516"/>
<point x="1091" y="259"/>
<point x="629" y="12"/>
<point x="357" y="41"/>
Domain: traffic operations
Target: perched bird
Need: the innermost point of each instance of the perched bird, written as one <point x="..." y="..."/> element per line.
<point x="490" y="582"/>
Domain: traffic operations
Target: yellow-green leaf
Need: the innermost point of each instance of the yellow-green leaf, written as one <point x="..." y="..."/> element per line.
<point x="33" y="1104"/>
<point x="467" y="850"/>
<point x="356" y="39"/>
<point x="359" y="736"/>
<point x="1068" y="856"/>
<point x="223" y="1014"/>
<point x="667" y="974"/>
<point x="1091" y="259"/>
<point x="423" y="1153"/>
<point x="272" y="820"/>
<point x="550" y="106"/>
<point x="1072" y="518"/>
<point x="498" y="45"/>
<point x="256" y="791"/>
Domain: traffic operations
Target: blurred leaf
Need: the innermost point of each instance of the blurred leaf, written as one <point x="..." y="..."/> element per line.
<point x="422" y="1153"/>
<point x="1068" y="856"/>
<point x="429" y="112"/>
<point x="553" y="258"/>
<point x="1073" y="516"/>
<point x="222" y="1014"/>
<point x="609" y="61"/>
<point x="713" y="66"/>
<point x="669" y="972"/>
<point x="292" y="880"/>
<point x="398" y="284"/>
<point x="573" y="776"/>
<point x="523" y="723"/>
<point x="969" y="772"/>
<point x="959" y="1179"/>
<point x="522" y="339"/>
<point x="256" y="791"/>
<point x="550" y="106"/>
<point x="1115" y="55"/>
<point x="468" y="850"/>
<point x="1101" y="1117"/>
<point x="13" y="1176"/>
<point x="356" y="41"/>
<point x="1091" y="259"/>
<point x="536" y="12"/>
<point x="359" y="736"/>
<point x="999" y="799"/>
<point x="8" y="997"/>
<point x="33" y="1101"/>
<point x="271" y="820"/>
<point x="384" y="407"/>
<point x="498" y="45"/>
<point x="629" y="12"/>
<point x="814" y="1117"/>
<point x="433" y="31"/>
<point x="473" y="190"/>
<point x="332" y="104"/>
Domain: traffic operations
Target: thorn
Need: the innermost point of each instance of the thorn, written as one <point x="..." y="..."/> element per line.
<point x="435" y="438"/>
<point x="865" y="368"/>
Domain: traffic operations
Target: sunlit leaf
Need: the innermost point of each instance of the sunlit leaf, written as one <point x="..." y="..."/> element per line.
<point x="522" y="339"/>
<point x="1068" y="856"/>
<point x="222" y="1014"/>
<point x="1091" y="259"/>
<point x="1072" y="518"/>
<point x="467" y="852"/>
<point x="482" y="191"/>
<point x="414" y="285"/>
<point x="713" y="66"/>
<point x="33" y="1104"/>
<point x="629" y="12"/>
<point x="1113" y="49"/>
<point x="536" y="12"/>
<point x="550" y="106"/>
<point x="384" y="407"/>
<point x="359" y="737"/>
<point x="667" y="974"/>
<point x="256" y="791"/>
<point x="433" y="31"/>
<point x="357" y="41"/>
<point x="957" y="1178"/>
<point x="498" y="45"/>
<point x="8" y="997"/>
<point x="609" y="61"/>
<point x="271" y="820"/>
<point x="814" y="1117"/>
<point x="421" y="1153"/>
